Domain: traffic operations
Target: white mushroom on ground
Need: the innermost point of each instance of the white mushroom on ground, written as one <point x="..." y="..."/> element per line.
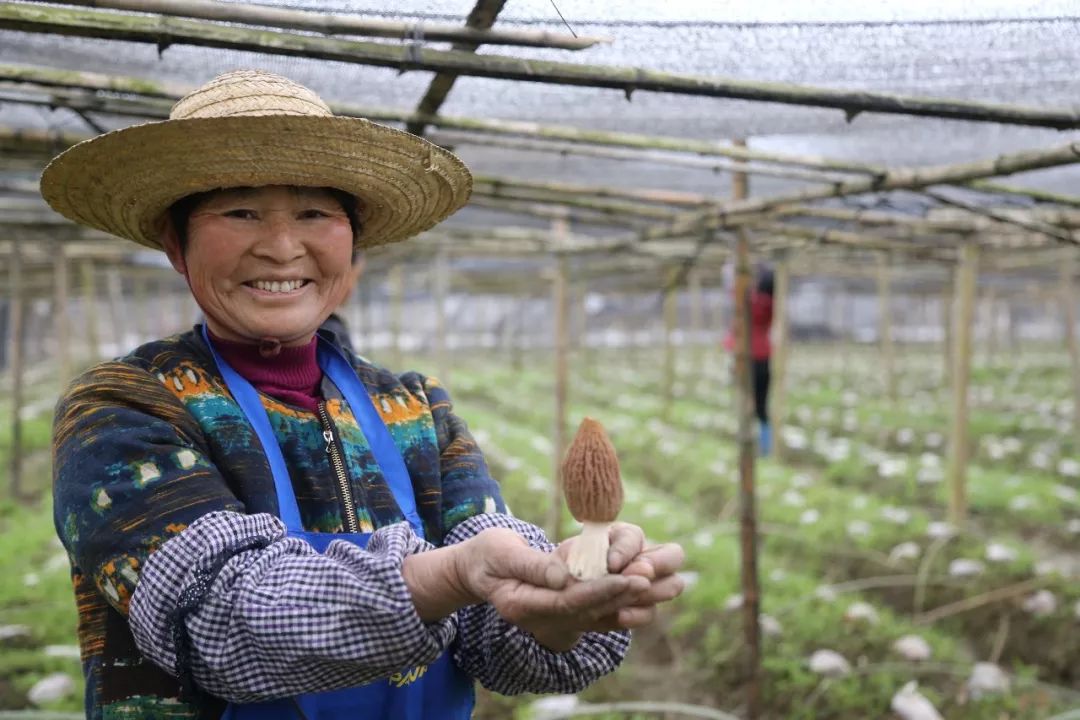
<point x="553" y="706"/>
<point x="809" y="517"/>
<point x="704" y="538"/>
<point x="770" y="626"/>
<point x="861" y="612"/>
<point x="793" y="498"/>
<point x="825" y="593"/>
<point x="987" y="679"/>
<point x="913" y="648"/>
<point x="829" y="663"/>
<point x="594" y="494"/>
<point x="50" y="689"/>
<point x="898" y="516"/>
<point x="996" y="552"/>
<point x="1064" y="493"/>
<point x="858" y="529"/>
<point x="733" y="603"/>
<point x="1041" y="604"/>
<point x="1073" y="526"/>
<point x="939" y="530"/>
<point x="910" y="704"/>
<point x="904" y="551"/>
<point x="1022" y="502"/>
<point x="964" y="567"/>
<point x="689" y="578"/>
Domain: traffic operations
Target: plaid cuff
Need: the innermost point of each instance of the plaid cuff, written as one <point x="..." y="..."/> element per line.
<point x="265" y="616"/>
<point x="508" y="660"/>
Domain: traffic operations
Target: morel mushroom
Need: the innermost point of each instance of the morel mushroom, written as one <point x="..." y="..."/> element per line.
<point x="594" y="494"/>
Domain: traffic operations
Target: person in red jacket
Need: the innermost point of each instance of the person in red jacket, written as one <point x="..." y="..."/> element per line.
<point x="761" y="314"/>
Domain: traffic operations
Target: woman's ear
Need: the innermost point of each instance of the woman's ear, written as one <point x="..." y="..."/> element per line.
<point x="170" y="243"/>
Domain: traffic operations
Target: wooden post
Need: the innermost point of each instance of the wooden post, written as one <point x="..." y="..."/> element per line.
<point x="947" y="326"/>
<point x="60" y="313"/>
<point x="671" y="314"/>
<point x="116" y="310"/>
<point x="442" y="288"/>
<point x="89" y="288"/>
<point x="561" y="309"/>
<point x="17" y="316"/>
<point x="781" y="348"/>
<point x="888" y="352"/>
<point x="1068" y="306"/>
<point x="517" y="358"/>
<point x="697" y="320"/>
<point x="747" y="456"/>
<point x="140" y="309"/>
<point x="966" y="276"/>
<point x="397" y="297"/>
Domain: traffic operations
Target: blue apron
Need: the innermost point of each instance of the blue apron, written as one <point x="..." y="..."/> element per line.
<point x="438" y="691"/>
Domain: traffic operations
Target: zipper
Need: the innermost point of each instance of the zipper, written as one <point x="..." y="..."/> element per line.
<point x="344" y="491"/>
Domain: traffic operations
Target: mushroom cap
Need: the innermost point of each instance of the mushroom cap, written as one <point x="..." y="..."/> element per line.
<point x="590" y="475"/>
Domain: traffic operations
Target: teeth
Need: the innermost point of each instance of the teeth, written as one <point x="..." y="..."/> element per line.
<point x="278" y="287"/>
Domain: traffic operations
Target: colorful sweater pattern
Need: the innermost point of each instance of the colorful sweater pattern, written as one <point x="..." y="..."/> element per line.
<point x="147" y="444"/>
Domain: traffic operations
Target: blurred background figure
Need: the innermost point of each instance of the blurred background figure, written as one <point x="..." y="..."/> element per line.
<point x="761" y="315"/>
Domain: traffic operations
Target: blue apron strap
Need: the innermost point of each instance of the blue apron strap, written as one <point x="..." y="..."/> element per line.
<point x="253" y="409"/>
<point x="382" y="444"/>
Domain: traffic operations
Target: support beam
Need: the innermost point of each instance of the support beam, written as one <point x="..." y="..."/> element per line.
<point x="17" y="350"/>
<point x="61" y="313"/>
<point x="178" y="31"/>
<point x="888" y="351"/>
<point x="671" y="310"/>
<point x="90" y="312"/>
<point x="482" y="17"/>
<point x="780" y="351"/>
<point x="959" y="440"/>
<point x="442" y="291"/>
<point x="338" y="24"/>
<point x="561" y="342"/>
<point x="696" y="346"/>
<point x="1068" y="307"/>
<point x="751" y="606"/>
<point x="397" y="298"/>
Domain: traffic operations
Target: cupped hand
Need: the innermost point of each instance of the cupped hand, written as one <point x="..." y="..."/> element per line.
<point x="534" y="590"/>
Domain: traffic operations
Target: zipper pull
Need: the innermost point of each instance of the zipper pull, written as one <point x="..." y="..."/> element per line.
<point x="328" y="436"/>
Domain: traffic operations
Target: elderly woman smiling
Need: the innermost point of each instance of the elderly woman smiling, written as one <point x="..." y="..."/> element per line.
<point x="260" y="524"/>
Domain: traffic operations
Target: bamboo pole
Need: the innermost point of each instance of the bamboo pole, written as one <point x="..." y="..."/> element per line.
<point x="141" y="309"/>
<point x="338" y="24"/>
<point x="538" y="195"/>
<point x="482" y="17"/>
<point x="893" y="179"/>
<point x="948" y="327"/>
<point x="491" y="183"/>
<point x="888" y="351"/>
<point x="670" y="311"/>
<point x="966" y="277"/>
<point x="561" y="309"/>
<point x="697" y="320"/>
<point x="89" y="288"/>
<point x="1068" y="306"/>
<point x="17" y="351"/>
<point x="397" y="296"/>
<point x="747" y="451"/>
<point x="116" y="309"/>
<point x="179" y="31"/>
<point x="442" y="291"/>
<point x="60" y="312"/>
<point x="781" y="350"/>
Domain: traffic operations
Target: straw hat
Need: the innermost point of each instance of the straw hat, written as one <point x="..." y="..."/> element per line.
<point x="248" y="129"/>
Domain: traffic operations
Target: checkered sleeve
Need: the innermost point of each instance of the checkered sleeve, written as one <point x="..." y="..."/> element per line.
<point x="248" y="614"/>
<point x="508" y="660"/>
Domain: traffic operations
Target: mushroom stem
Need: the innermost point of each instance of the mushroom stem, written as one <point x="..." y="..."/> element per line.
<point x="588" y="554"/>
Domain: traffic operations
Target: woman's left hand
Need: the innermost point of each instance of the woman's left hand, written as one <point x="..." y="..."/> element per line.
<point x="629" y="556"/>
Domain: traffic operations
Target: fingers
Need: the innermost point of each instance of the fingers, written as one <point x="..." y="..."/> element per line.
<point x="657" y="561"/>
<point x="579" y="604"/>
<point x="537" y="568"/>
<point x="627" y="542"/>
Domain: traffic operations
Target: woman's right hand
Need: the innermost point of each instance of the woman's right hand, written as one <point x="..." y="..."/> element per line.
<point x="534" y="590"/>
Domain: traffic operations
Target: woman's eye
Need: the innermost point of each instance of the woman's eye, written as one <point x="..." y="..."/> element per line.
<point x="313" y="213"/>
<point x="241" y="213"/>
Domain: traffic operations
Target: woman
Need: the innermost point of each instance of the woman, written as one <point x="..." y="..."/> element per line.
<point x="261" y="525"/>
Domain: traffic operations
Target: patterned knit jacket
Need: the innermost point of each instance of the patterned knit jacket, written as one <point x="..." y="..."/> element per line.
<point x="146" y="445"/>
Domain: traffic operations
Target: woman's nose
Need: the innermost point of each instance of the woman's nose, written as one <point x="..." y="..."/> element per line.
<point x="280" y="239"/>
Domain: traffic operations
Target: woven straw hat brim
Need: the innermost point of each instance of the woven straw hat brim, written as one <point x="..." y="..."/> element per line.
<point x="123" y="182"/>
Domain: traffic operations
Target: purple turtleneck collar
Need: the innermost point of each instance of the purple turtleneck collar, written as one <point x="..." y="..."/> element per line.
<point x="292" y="376"/>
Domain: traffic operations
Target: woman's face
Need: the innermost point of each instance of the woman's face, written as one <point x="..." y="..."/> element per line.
<point x="267" y="262"/>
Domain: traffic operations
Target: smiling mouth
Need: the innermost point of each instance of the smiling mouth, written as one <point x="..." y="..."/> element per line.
<point x="277" y="286"/>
